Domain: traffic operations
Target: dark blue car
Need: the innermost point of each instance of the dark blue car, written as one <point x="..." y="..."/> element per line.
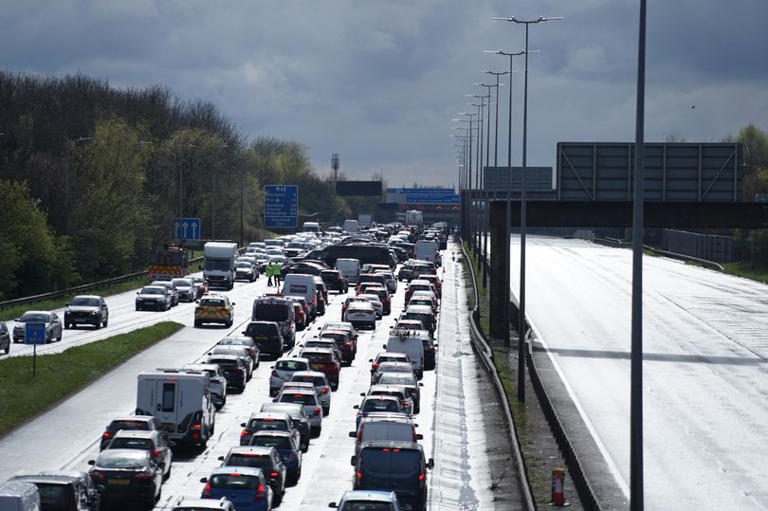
<point x="285" y="445"/>
<point x="245" y="487"/>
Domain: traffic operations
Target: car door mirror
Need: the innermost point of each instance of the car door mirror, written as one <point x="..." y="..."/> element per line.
<point x="353" y="460"/>
<point x="333" y="505"/>
<point x="91" y="462"/>
<point x="419" y="436"/>
<point x="220" y="458"/>
<point x="362" y="394"/>
<point x="352" y="434"/>
<point x="242" y="424"/>
<point x="421" y="384"/>
<point x="356" y="407"/>
<point x="431" y="464"/>
<point x="203" y="479"/>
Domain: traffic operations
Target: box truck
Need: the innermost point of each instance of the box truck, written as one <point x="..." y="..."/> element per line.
<point x="219" y="269"/>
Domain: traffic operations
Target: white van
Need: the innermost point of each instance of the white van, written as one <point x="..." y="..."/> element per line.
<point x="19" y="496"/>
<point x="181" y="400"/>
<point x="310" y="227"/>
<point x="408" y="342"/>
<point x="350" y="268"/>
<point x="351" y="226"/>
<point x="303" y="285"/>
<point x="426" y="251"/>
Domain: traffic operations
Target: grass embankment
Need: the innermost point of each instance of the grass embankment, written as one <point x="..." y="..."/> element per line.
<point x="744" y="269"/>
<point x="62" y="374"/>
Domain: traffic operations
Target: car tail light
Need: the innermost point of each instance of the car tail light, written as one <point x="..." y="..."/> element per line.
<point x="259" y="493"/>
<point x="274" y="373"/>
<point x="244" y="432"/>
<point x="155" y="452"/>
<point x="106" y="435"/>
<point x="143" y="476"/>
<point x="273" y="474"/>
<point x="359" y="475"/>
<point x="197" y="427"/>
<point x="325" y="390"/>
<point x="317" y="410"/>
<point x="207" y="491"/>
<point x="375" y="366"/>
<point x="421" y="476"/>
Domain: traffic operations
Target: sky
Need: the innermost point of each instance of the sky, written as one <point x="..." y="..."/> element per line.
<point x="378" y="81"/>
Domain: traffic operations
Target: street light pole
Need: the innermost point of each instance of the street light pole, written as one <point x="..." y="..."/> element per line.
<point x="636" y="491"/>
<point x="467" y="214"/>
<point x="522" y="326"/>
<point x="508" y="206"/>
<point x="485" y="193"/>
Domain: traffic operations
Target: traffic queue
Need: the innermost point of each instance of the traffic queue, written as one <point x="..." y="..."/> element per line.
<point x="177" y="407"/>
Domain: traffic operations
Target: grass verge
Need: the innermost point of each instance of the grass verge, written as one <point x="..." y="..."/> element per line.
<point x="62" y="374"/>
<point x="744" y="269"/>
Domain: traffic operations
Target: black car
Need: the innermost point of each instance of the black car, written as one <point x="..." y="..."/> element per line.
<point x="267" y="336"/>
<point x="127" y="475"/>
<point x="86" y="310"/>
<point x="64" y="490"/>
<point x="394" y="466"/>
<point x="335" y="281"/>
<point x="233" y="368"/>
<point x="5" y="338"/>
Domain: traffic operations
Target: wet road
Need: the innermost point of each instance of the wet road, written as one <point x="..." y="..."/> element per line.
<point x="705" y="369"/>
<point x="454" y="432"/>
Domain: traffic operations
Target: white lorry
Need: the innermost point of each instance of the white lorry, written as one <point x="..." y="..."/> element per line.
<point x="182" y="402"/>
<point x="426" y="251"/>
<point x="414" y="217"/>
<point x="219" y="269"/>
<point x="351" y="226"/>
<point x="365" y="220"/>
<point x="310" y="227"/>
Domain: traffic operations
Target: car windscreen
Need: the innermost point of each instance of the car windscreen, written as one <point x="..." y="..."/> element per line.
<point x="235" y="342"/>
<point x="247" y="460"/>
<point x="271" y="311"/>
<point x="329" y="275"/>
<point x="387" y="431"/>
<point x="400" y="467"/>
<point x="34" y="317"/>
<point x="224" y="363"/>
<point x="367" y="506"/>
<point x="212" y="303"/>
<point x="317" y="381"/>
<point x="85" y="302"/>
<point x="304" y="399"/>
<point x="337" y="337"/>
<point x="380" y="405"/>
<point x="182" y="282"/>
<point x="318" y="357"/>
<point x="234" y="481"/>
<point x="132" y="443"/>
<point x="130" y="425"/>
<point x="121" y="459"/>
<point x="278" y="442"/>
<point x="268" y="424"/>
<point x="56" y="497"/>
<point x="217" y="264"/>
<point x="245" y="265"/>
<point x="153" y="291"/>
<point x="291" y="365"/>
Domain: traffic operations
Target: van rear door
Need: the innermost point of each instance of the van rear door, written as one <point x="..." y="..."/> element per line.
<point x="167" y="401"/>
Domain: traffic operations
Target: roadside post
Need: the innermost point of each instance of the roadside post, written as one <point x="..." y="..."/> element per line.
<point x="34" y="334"/>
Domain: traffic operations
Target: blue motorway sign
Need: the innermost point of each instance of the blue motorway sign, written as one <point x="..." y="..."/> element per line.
<point x="422" y="196"/>
<point x="281" y="206"/>
<point x="34" y="333"/>
<point x="186" y="228"/>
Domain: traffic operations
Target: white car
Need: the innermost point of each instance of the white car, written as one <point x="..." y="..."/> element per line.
<point x="361" y="314"/>
<point x="378" y="307"/>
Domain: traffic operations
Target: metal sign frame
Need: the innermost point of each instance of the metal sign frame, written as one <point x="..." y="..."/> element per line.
<point x="599" y="171"/>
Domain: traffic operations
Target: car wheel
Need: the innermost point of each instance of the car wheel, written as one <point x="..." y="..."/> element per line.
<point x="67" y="326"/>
<point x="198" y="324"/>
<point x="106" y="322"/>
<point x="58" y="339"/>
<point x="8" y="348"/>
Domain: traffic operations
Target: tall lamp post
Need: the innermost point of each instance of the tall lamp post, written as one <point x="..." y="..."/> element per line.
<point x="521" y="321"/>
<point x="485" y="193"/>
<point x="508" y="207"/>
<point x="480" y="114"/>
<point x="467" y="117"/>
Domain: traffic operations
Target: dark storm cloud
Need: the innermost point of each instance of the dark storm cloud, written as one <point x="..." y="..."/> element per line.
<point x="378" y="81"/>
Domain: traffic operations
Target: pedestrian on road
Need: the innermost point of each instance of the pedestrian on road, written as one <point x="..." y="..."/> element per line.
<point x="278" y="273"/>
<point x="270" y="272"/>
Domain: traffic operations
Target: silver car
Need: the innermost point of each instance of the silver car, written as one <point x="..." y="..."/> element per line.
<point x="308" y="399"/>
<point x="320" y="382"/>
<point x="283" y="371"/>
<point x="186" y="289"/>
<point x="303" y="385"/>
<point x="51" y="320"/>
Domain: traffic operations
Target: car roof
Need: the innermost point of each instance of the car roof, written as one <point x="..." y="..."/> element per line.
<point x="385" y="387"/>
<point x="258" y="450"/>
<point x="400" y="444"/>
<point x="396" y="354"/>
<point x="136" y="433"/>
<point x="269" y="415"/>
<point x="379" y="398"/>
<point x="272" y="432"/>
<point x="369" y="495"/>
<point x="360" y="304"/>
<point x="395" y="364"/>
<point x="52" y="477"/>
<point x="290" y="359"/>
<point x="223" y="356"/>
<point x="288" y="407"/>
<point x="221" y="503"/>
<point x="388" y="417"/>
<point x="246" y="471"/>
<point x="420" y="309"/>
<point x="86" y="296"/>
<point x="419" y="282"/>
<point x="303" y="391"/>
<point x="140" y="418"/>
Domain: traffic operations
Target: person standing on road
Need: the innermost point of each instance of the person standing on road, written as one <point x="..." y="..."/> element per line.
<point x="278" y="273"/>
<point x="270" y="272"/>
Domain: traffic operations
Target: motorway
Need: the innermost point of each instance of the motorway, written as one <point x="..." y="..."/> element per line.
<point x="454" y="429"/>
<point x="705" y="369"/>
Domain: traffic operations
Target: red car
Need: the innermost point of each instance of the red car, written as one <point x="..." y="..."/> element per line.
<point x="344" y="342"/>
<point x="381" y="292"/>
<point x="324" y="360"/>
